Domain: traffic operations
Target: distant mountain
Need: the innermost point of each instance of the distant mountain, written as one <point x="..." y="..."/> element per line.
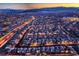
<point x="10" y="11"/>
<point x="42" y="10"/>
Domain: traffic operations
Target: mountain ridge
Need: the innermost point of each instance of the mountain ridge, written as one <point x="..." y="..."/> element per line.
<point x="40" y="10"/>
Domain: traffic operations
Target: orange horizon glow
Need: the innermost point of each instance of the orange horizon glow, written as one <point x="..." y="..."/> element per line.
<point x="48" y="5"/>
<point x="36" y="5"/>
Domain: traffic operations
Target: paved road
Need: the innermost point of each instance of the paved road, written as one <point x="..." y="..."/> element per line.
<point x="14" y="33"/>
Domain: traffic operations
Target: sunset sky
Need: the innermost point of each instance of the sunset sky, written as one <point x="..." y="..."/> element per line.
<point x="35" y="5"/>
